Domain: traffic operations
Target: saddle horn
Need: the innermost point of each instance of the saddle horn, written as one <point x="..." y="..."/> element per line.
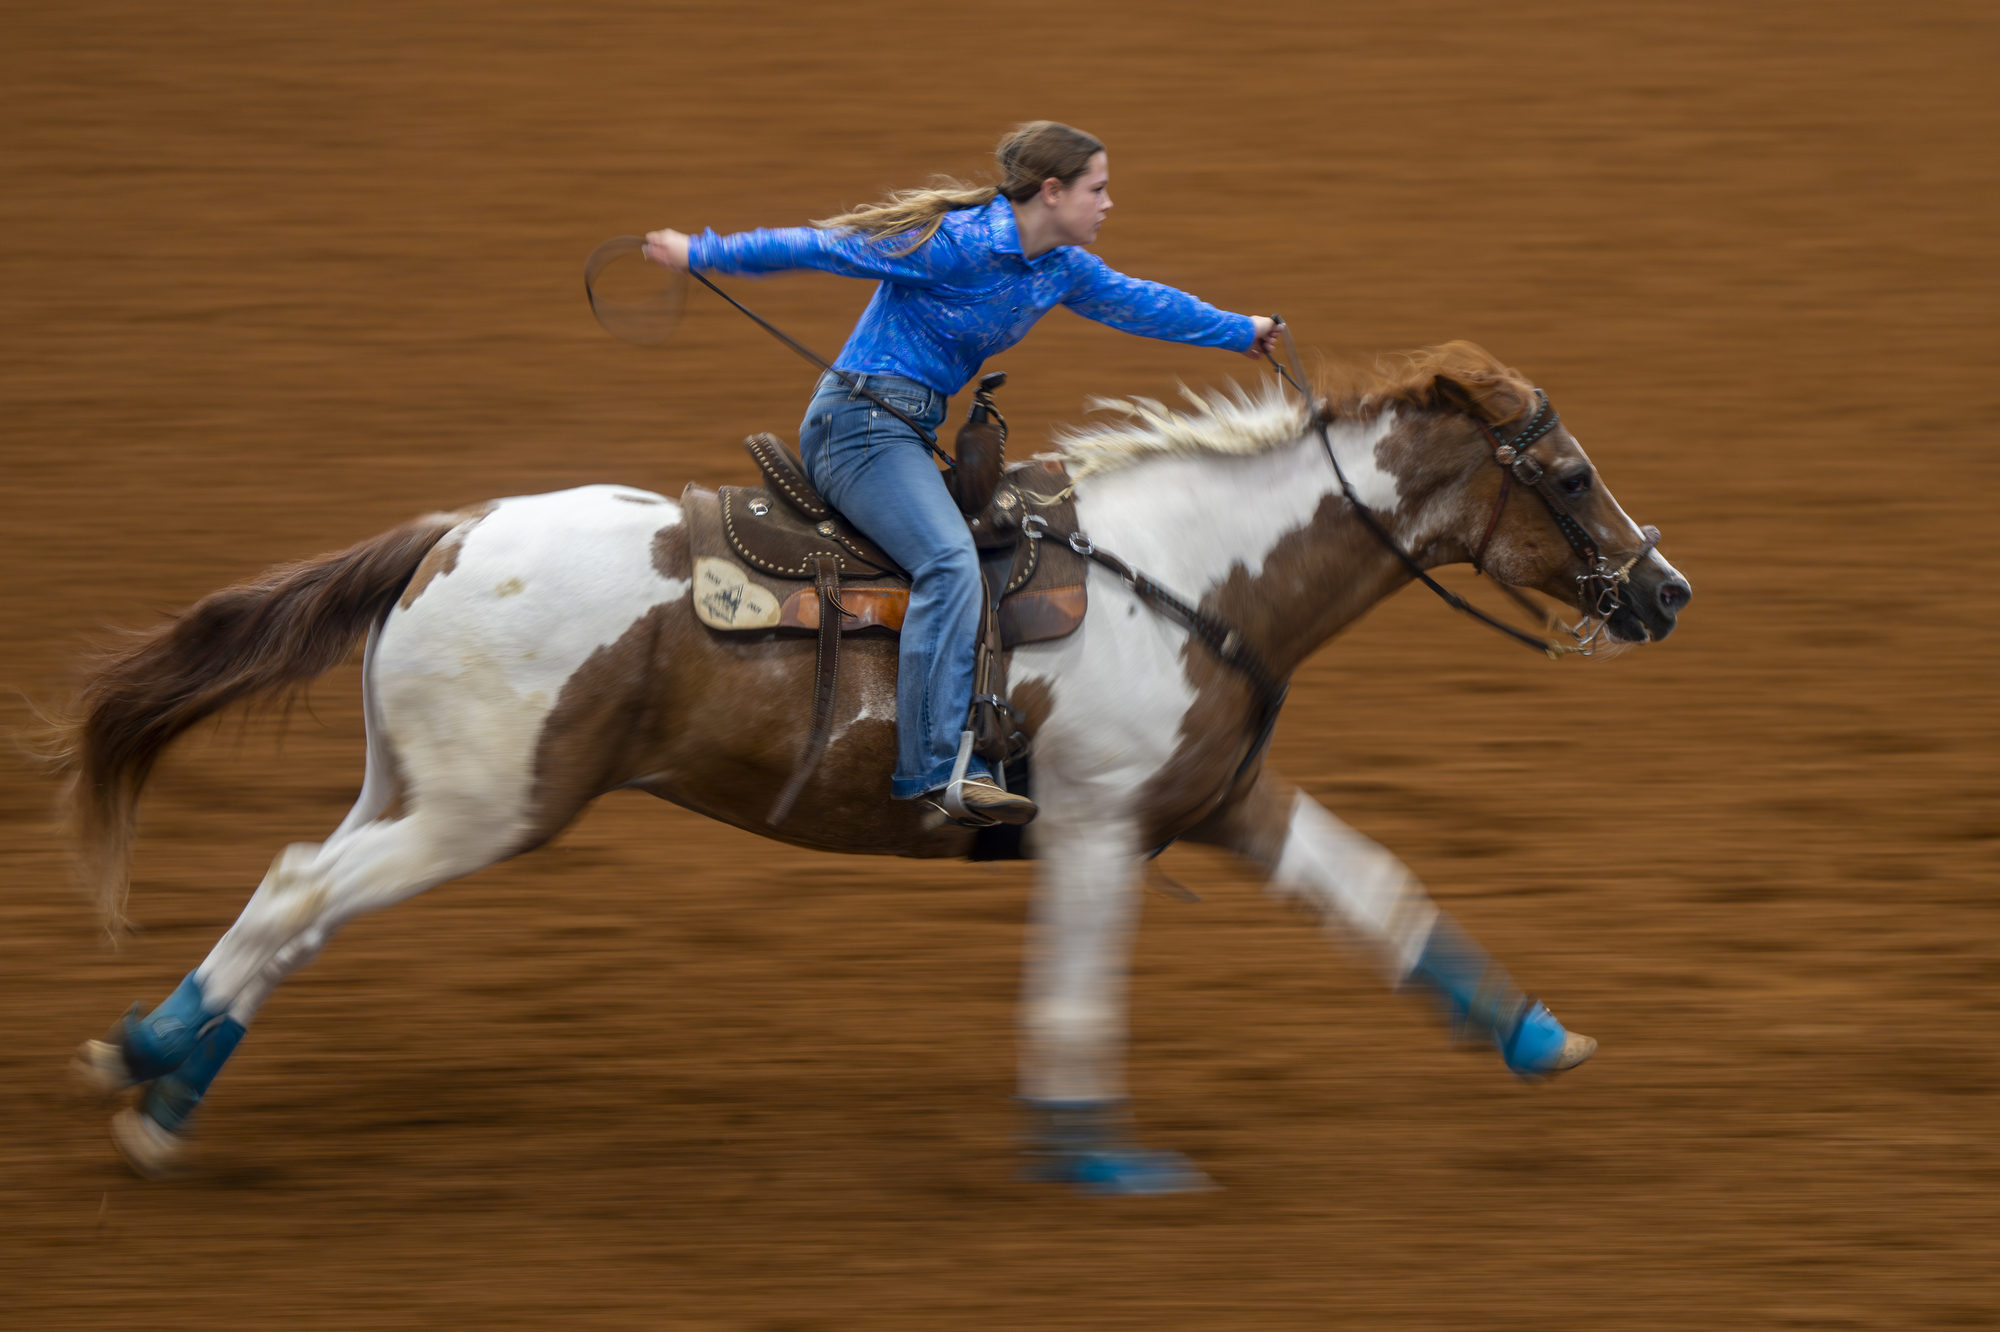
<point x="982" y="449"/>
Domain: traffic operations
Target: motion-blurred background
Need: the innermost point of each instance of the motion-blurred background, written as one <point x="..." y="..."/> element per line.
<point x="273" y="278"/>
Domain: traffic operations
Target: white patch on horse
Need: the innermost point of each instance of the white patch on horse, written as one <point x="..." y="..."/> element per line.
<point x="1115" y="720"/>
<point x="1188" y="521"/>
<point x="1354" y="444"/>
<point x="469" y="673"/>
<point x="1360" y="888"/>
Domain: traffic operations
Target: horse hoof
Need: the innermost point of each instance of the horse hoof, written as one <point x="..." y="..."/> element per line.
<point x="98" y="1071"/>
<point x="1129" y="1174"/>
<point x="1577" y="1047"/>
<point x="1540" y="1047"/>
<point x="149" y="1149"/>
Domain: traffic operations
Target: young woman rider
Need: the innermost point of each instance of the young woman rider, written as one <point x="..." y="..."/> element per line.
<point x="964" y="274"/>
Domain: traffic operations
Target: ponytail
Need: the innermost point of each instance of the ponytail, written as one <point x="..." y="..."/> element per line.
<point x="1029" y="154"/>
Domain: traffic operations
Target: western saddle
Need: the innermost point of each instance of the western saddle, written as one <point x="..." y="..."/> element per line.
<point x="776" y="558"/>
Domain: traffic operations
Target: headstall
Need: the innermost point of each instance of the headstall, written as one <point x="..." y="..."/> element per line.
<point x="1601" y="585"/>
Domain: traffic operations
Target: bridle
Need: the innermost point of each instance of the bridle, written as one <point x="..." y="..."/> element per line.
<point x="1601" y="587"/>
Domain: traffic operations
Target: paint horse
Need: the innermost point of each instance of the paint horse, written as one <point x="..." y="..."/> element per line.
<point x="525" y="656"/>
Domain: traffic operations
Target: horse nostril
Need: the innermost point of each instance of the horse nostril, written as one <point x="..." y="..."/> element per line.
<point x="1671" y="595"/>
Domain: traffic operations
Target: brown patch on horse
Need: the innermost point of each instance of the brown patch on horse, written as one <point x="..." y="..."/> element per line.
<point x="1254" y="824"/>
<point x="715" y="722"/>
<point x="671" y="558"/>
<point x="1036" y="699"/>
<point x="443" y="557"/>
<point x="1315" y="579"/>
<point x="602" y="729"/>
<point x="1215" y="733"/>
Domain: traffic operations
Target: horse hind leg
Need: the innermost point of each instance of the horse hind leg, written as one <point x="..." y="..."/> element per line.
<point x="139" y="1050"/>
<point x="310" y="891"/>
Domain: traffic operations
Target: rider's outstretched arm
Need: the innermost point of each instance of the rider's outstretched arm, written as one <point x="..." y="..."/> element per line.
<point x="844" y="251"/>
<point x="1155" y="310"/>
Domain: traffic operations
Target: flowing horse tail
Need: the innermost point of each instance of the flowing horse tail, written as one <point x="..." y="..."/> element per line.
<point x="277" y="631"/>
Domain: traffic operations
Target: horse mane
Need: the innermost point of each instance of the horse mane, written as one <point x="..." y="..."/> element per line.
<point x="1238" y="422"/>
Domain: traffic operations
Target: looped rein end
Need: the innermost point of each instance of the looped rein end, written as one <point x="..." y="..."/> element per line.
<point x="631" y="310"/>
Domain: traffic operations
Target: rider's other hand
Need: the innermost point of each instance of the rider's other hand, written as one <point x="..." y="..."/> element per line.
<point x="1265" y="339"/>
<point x="670" y="247"/>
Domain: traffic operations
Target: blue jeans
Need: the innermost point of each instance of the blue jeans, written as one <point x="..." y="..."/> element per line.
<point x="880" y="476"/>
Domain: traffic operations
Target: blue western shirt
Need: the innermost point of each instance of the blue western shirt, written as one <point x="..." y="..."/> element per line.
<point x="967" y="293"/>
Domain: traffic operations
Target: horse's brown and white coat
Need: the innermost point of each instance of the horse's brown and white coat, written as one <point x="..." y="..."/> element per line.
<point x="546" y="651"/>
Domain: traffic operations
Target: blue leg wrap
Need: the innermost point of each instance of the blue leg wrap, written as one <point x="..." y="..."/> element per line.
<point x="1083" y="1143"/>
<point x="1537" y="1041"/>
<point x="160" y="1042"/>
<point x="170" y="1100"/>
<point x="1481" y="999"/>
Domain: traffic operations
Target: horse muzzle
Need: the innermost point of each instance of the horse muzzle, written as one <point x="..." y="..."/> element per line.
<point x="1650" y="602"/>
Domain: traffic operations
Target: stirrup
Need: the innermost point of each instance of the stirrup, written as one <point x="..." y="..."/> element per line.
<point x="952" y="801"/>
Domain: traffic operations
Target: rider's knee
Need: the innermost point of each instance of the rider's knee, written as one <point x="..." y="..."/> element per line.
<point x="957" y="565"/>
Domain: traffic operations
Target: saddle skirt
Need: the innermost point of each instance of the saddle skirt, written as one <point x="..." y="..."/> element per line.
<point x="757" y="551"/>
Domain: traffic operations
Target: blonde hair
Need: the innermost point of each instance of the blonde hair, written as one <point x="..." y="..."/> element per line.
<point x="1027" y="155"/>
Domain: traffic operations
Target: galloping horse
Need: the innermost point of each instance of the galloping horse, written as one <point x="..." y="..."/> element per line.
<point x="527" y="655"/>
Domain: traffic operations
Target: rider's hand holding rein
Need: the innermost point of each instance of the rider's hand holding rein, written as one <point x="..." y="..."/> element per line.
<point x="1266" y="340"/>
<point x="668" y="248"/>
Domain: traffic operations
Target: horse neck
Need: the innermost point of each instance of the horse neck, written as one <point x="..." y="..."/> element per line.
<point x="1268" y="541"/>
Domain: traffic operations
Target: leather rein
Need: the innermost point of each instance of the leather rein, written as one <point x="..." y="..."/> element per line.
<point x="924" y="433"/>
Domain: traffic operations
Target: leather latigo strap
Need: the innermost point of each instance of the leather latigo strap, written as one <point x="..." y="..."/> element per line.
<point x="993" y="737"/>
<point x="982" y="449"/>
<point x="826" y="684"/>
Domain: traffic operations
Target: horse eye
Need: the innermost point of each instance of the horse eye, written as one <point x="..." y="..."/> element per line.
<point x="1576" y="485"/>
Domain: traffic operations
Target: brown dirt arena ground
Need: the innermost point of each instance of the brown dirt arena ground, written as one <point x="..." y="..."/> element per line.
<point x="275" y="278"/>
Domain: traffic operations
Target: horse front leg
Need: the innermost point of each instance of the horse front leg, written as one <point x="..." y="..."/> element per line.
<point x="1073" y="1015"/>
<point x="1363" y="891"/>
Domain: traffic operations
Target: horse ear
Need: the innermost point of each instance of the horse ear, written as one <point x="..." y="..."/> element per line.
<point x="1493" y="401"/>
<point x="1454" y="395"/>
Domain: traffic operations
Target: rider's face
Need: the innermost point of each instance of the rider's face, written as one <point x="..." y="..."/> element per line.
<point x="1080" y="206"/>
